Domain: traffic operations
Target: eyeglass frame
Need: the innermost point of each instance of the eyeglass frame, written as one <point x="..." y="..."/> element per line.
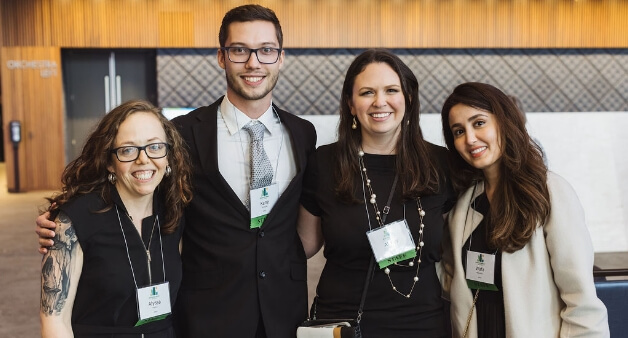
<point x="139" y="151"/>
<point x="251" y="51"/>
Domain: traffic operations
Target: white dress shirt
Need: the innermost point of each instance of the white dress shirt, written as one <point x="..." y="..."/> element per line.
<point x="234" y="149"/>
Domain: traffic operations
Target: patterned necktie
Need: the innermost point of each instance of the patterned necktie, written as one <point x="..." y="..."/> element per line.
<point x="261" y="169"/>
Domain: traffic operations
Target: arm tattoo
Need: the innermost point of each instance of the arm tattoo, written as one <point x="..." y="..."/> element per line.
<point x="56" y="267"/>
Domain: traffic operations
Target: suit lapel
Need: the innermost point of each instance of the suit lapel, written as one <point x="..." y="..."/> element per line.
<point x="298" y="148"/>
<point x="472" y="217"/>
<point x="206" y="140"/>
<point x="298" y="151"/>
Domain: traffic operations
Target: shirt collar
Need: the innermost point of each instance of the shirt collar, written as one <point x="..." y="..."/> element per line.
<point x="235" y="119"/>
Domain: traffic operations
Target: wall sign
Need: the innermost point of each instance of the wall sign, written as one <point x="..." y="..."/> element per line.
<point x="47" y="68"/>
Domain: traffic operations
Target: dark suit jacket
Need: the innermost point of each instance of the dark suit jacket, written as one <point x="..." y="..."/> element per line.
<point x="234" y="275"/>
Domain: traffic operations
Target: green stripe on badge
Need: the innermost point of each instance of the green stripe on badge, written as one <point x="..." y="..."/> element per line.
<point x="397" y="258"/>
<point x="257" y="221"/>
<point x="152" y="319"/>
<point x="475" y="285"/>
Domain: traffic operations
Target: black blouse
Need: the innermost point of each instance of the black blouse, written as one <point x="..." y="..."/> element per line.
<point x="490" y="304"/>
<point x="348" y="253"/>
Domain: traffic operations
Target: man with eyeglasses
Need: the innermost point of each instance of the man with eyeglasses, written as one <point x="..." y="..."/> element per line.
<point x="240" y="280"/>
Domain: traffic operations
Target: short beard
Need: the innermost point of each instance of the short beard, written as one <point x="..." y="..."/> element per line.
<point x="233" y="85"/>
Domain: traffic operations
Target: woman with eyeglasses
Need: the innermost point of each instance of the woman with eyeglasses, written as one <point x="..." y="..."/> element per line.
<point x="114" y="268"/>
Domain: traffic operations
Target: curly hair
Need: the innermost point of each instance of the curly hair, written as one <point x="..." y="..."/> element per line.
<point x="420" y="174"/>
<point x="521" y="201"/>
<point x="88" y="172"/>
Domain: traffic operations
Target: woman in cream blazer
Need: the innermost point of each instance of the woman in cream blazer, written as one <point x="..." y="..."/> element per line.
<point x="547" y="282"/>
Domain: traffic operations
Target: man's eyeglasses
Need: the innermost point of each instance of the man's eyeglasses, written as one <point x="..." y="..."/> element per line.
<point x="131" y="153"/>
<point x="265" y="55"/>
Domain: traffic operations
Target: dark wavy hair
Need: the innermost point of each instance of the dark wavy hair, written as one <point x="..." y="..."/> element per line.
<point x="419" y="174"/>
<point x="246" y="13"/>
<point x="88" y="172"/>
<point x="521" y="201"/>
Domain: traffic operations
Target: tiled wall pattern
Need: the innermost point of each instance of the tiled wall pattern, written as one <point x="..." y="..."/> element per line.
<point x="545" y="80"/>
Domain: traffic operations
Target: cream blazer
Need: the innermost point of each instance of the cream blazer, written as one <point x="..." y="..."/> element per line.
<point x="548" y="284"/>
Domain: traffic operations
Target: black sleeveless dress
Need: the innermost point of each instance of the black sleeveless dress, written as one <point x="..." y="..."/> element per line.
<point x="105" y="303"/>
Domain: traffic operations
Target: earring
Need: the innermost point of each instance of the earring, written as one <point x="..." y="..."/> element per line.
<point x="354" y="126"/>
<point x="168" y="170"/>
<point x="111" y="178"/>
<point x="408" y="122"/>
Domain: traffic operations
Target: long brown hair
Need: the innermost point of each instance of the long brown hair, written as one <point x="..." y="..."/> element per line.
<point x="88" y="172"/>
<point x="413" y="156"/>
<point x="521" y="201"/>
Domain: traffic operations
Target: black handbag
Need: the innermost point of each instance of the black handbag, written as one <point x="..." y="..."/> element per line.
<point x="334" y="328"/>
<point x="328" y="328"/>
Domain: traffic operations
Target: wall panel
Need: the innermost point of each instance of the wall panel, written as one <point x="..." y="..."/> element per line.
<point x="323" y="23"/>
<point x="545" y="80"/>
<point x="183" y="33"/>
<point x="33" y="95"/>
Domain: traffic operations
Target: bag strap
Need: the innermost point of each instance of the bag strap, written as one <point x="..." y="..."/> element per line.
<point x="390" y="197"/>
<point x="369" y="274"/>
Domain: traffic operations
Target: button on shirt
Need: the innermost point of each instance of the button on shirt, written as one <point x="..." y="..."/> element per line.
<point x="234" y="149"/>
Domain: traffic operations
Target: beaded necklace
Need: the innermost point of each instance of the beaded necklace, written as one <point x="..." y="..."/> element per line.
<point x="378" y="214"/>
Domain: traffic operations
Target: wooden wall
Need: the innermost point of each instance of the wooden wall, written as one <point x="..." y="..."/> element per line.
<point x="323" y="23"/>
<point x="34" y="30"/>
<point x="32" y="94"/>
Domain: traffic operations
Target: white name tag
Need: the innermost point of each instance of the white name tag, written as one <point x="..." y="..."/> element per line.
<point x="262" y="201"/>
<point x="392" y="243"/>
<point x="480" y="267"/>
<point x="153" y="303"/>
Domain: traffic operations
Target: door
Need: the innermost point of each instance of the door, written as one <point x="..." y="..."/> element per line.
<point x="96" y="80"/>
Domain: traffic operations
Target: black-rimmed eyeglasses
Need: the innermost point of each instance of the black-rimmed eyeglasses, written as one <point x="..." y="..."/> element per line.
<point x="265" y="55"/>
<point x="131" y="153"/>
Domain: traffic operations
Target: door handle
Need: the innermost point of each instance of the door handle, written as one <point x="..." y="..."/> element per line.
<point x="118" y="90"/>
<point x="107" y="95"/>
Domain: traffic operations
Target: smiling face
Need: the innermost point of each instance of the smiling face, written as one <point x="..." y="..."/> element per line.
<point x="252" y="80"/>
<point x="141" y="177"/>
<point x="476" y="138"/>
<point x="377" y="101"/>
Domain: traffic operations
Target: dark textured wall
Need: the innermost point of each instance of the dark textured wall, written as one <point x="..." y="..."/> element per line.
<point x="545" y="80"/>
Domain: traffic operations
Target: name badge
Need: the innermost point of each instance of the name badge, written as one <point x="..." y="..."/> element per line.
<point x="153" y="303"/>
<point x="262" y="201"/>
<point x="392" y="243"/>
<point x="481" y="271"/>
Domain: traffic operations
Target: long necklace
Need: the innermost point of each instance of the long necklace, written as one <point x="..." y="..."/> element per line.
<point x="147" y="249"/>
<point x="419" y="247"/>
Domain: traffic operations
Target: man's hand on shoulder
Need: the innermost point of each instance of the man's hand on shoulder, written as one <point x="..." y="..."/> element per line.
<point x="46" y="231"/>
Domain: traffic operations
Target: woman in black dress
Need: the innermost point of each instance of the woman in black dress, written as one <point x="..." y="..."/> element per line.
<point x="381" y="165"/>
<point x="114" y="267"/>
